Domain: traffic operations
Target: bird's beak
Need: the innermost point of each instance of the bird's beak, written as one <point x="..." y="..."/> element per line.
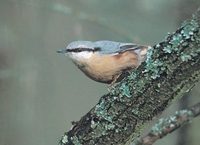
<point x="63" y="51"/>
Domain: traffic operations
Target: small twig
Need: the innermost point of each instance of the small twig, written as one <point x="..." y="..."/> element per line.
<point x="168" y="125"/>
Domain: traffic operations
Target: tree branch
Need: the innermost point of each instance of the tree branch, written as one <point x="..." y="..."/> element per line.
<point x="172" y="68"/>
<point x="168" y="125"/>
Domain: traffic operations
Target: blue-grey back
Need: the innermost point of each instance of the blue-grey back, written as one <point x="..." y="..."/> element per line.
<point x="110" y="47"/>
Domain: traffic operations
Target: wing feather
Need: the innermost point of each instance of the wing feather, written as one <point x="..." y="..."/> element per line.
<point x="112" y="47"/>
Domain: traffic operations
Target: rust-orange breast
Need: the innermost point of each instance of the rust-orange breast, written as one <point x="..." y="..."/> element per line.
<point x="104" y="68"/>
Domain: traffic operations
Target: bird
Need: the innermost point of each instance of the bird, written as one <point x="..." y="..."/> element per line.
<point x="103" y="61"/>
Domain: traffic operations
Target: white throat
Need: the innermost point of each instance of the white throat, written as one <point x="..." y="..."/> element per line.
<point x="80" y="55"/>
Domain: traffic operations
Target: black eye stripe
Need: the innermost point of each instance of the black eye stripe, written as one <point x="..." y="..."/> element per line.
<point x="97" y="48"/>
<point x="82" y="49"/>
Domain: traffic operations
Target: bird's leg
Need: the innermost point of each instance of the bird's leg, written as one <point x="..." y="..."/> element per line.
<point x="118" y="78"/>
<point x="115" y="80"/>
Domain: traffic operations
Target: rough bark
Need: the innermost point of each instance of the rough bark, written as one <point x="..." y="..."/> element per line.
<point x="172" y="68"/>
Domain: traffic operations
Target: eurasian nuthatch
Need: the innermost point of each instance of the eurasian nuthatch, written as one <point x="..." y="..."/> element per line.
<point x="104" y="61"/>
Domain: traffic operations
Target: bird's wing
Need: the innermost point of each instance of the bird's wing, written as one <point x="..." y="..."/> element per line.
<point x="112" y="47"/>
<point x="128" y="46"/>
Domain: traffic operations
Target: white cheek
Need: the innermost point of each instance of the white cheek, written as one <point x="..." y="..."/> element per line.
<point x="80" y="55"/>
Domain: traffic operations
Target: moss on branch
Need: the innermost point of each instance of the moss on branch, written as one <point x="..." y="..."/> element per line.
<point x="172" y="68"/>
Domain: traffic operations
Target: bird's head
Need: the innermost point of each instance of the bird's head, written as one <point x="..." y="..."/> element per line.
<point x="78" y="50"/>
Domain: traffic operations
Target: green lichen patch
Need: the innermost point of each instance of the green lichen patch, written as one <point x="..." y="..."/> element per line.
<point x="168" y="49"/>
<point x="75" y="140"/>
<point x="102" y="129"/>
<point x="176" y="41"/>
<point x="149" y="54"/>
<point x="154" y="68"/>
<point x="140" y="85"/>
<point x="102" y="112"/>
<point x="125" y="91"/>
<point x="185" y="57"/>
<point x="189" y="28"/>
<point x="132" y="75"/>
<point x="64" y="140"/>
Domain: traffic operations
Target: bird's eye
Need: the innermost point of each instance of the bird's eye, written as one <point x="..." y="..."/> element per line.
<point x="74" y="50"/>
<point x="78" y="50"/>
<point x="97" y="48"/>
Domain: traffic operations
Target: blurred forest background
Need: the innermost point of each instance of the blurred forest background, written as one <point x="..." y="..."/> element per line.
<point x="41" y="92"/>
